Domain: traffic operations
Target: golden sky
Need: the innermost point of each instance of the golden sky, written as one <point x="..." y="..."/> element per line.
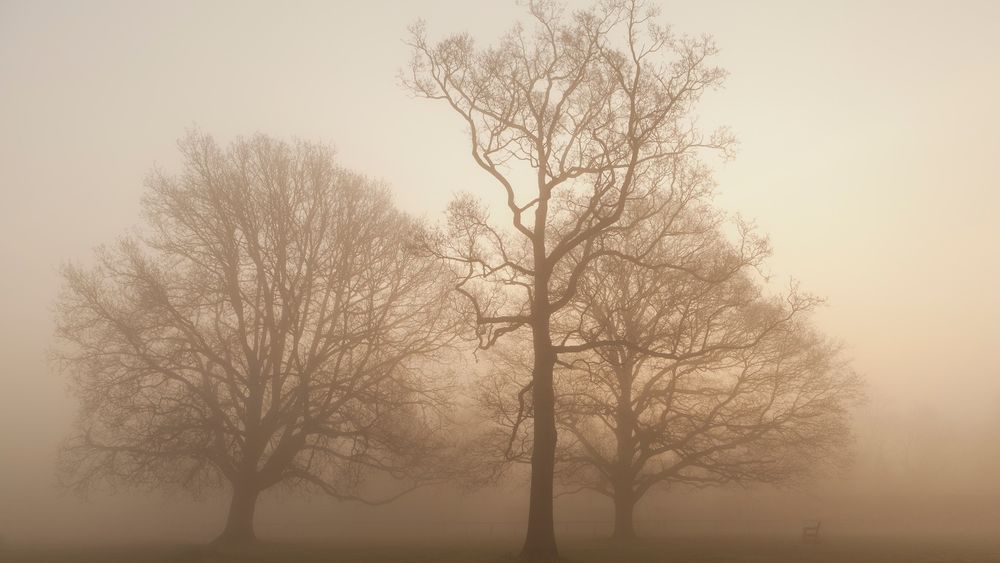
<point x="869" y="149"/>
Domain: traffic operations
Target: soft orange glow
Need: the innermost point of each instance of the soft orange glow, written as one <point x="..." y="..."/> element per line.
<point x="867" y="147"/>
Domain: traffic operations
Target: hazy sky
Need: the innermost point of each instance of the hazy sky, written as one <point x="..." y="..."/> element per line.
<point x="869" y="146"/>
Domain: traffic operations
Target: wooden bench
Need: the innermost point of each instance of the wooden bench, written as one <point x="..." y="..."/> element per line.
<point x="810" y="530"/>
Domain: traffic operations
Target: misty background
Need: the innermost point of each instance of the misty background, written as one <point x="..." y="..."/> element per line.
<point x="868" y="139"/>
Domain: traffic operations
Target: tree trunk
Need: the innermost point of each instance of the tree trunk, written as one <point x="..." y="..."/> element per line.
<point x="624" y="506"/>
<point x="540" y="543"/>
<point x="624" y="496"/>
<point x="239" y="522"/>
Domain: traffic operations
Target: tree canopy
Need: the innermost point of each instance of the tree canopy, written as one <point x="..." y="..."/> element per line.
<point x="272" y="324"/>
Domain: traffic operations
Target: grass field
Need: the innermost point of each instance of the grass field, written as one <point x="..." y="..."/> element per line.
<point x="673" y="550"/>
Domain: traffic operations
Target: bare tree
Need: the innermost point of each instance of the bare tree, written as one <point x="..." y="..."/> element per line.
<point x="698" y="379"/>
<point x="577" y="121"/>
<point x="273" y="325"/>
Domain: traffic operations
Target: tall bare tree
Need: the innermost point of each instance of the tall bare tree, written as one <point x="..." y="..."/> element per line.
<point x="698" y="379"/>
<point x="578" y="121"/>
<point x="273" y="325"/>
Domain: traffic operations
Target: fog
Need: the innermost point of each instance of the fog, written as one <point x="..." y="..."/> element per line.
<point x="867" y="141"/>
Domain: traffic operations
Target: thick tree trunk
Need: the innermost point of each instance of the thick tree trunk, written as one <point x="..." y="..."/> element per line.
<point x="624" y="496"/>
<point x="239" y="522"/>
<point x="540" y="543"/>
<point x="624" y="507"/>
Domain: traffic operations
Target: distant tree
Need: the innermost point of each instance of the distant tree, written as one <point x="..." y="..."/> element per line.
<point x="273" y="325"/>
<point x="579" y="122"/>
<point x="696" y="378"/>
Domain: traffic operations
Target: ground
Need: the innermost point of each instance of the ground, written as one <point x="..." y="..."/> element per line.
<point x="672" y="550"/>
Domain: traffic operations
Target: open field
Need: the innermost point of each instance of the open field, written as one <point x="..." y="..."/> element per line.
<point x="672" y="550"/>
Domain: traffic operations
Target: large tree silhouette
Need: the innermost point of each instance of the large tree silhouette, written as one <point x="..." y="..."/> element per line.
<point x="272" y="325"/>
<point x="581" y="121"/>
<point x="696" y="377"/>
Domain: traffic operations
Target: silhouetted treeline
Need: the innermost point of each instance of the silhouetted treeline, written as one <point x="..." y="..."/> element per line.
<point x="278" y="322"/>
